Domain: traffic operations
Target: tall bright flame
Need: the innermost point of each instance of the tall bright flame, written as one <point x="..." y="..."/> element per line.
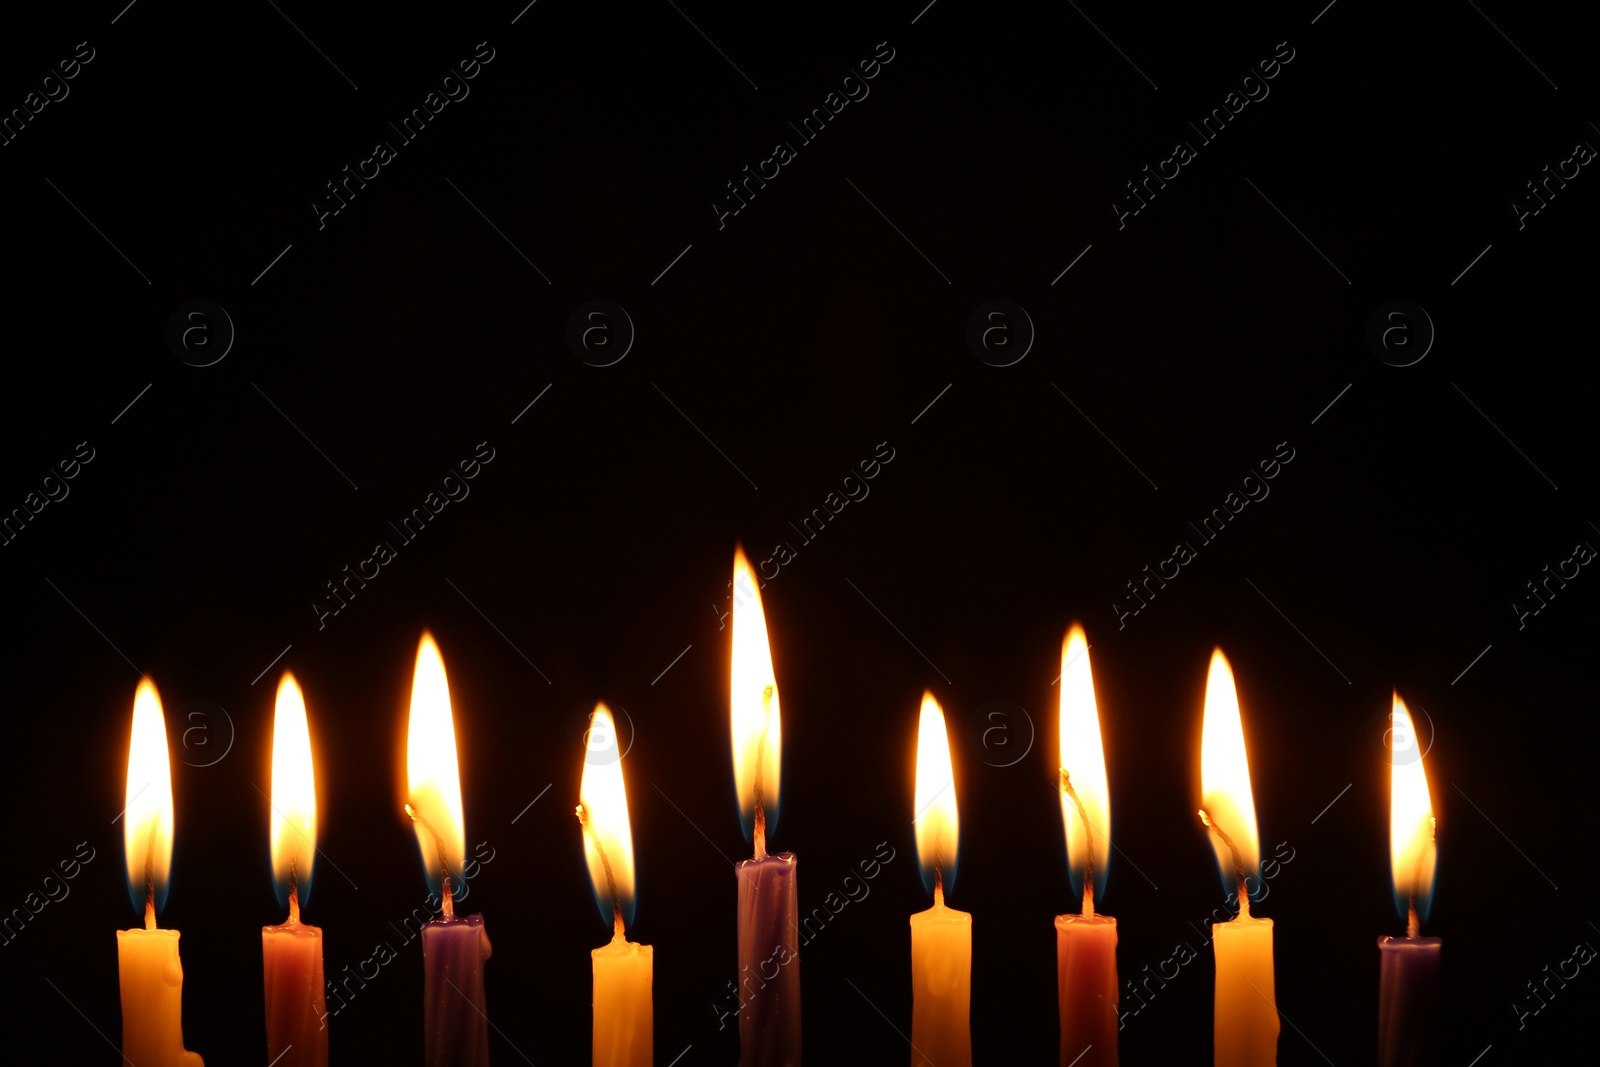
<point x="1225" y="792"/>
<point x="1413" y="852"/>
<point x="147" y="816"/>
<point x="937" y="823"/>
<point x="293" y="828"/>
<point x="1083" y="764"/>
<point x="433" y="776"/>
<point x="608" y="835"/>
<point x="753" y="700"/>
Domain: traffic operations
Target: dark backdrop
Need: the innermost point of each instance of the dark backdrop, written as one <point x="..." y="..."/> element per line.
<point x="1186" y="343"/>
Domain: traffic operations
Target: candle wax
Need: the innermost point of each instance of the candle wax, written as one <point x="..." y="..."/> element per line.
<point x="456" y="1023"/>
<point x="151" y="977"/>
<point x="1408" y="1001"/>
<point x="941" y="987"/>
<point x="297" y="1029"/>
<point x="1245" y="1016"/>
<point x="1086" y="985"/>
<point x="624" y="1015"/>
<point x="769" y="962"/>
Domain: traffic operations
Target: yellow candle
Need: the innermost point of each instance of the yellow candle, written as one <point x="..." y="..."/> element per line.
<point x="1245" y="1013"/>
<point x="624" y="1015"/>
<point x="149" y="971"/>
<point x="291" y="954"/>
<point x="941" y="937"/>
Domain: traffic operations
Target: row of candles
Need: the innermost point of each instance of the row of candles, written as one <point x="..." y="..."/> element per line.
<point x="455" y="948"/>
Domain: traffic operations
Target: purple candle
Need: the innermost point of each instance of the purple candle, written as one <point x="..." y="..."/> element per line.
<point x="456" y="1026"/>
<point x="454" y="948"/>
<point x="769" y="950"/>
<point x="1408" y="974"/>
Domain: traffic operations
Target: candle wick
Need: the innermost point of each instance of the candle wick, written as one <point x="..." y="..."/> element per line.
<point x="1238" y="862"/>
<point x="150" y="881"/>
<point x="449" y="909"/>
<point x="1413" y="923"/>
<point x="938" y="882"/>
<point x="1088" y="850"/>
<point x="619" y="931"/>
<point x="761" y="760"/>
<point x="294" y="893"/>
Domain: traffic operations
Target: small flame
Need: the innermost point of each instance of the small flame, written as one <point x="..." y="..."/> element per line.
<point x="937" y="823"/>
<point x="608" y="834"/>
<point x="1413" y="853"/>
<point x="1226" y="799"/>
<point x="147" y="817"/>
<point x="753" y="699"/>
<point x="1083" y="768"/>
<point x="433" y="775"/>
<point x="293" y="828"/>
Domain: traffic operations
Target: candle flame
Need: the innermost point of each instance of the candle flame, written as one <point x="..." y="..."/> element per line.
<point x="1083" y="769"/>
<point x="147" y="816"/>
<point x="1227" y="803"/>
<point x="753" y="700"/>
<point x="937" y="823"/>
<point x="293" y="826"/>
<point x="1413" y="853"/>
<point x="608" y="833"/>
<point x="433" y="775"/>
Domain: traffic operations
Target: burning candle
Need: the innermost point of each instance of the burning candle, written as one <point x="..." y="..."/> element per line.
<point x="624" y="1021"/>
<point x="1086" y="944"/>
<point x="941" y="937"/>
<point x="769" y="1019"/>
<point x="1408" y="996"/>
<point x="149" y="971"/>
<point x="297" y="1032"/>
<point x="456" y="1022"/>
<point x="1245" y="1012"/>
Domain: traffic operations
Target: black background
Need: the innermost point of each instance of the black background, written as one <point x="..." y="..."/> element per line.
<point x="597" y="543"/>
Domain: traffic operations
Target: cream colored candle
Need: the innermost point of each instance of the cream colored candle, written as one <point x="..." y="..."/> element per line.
<point x="291" y="954"/>
<point x="941" y="937"/>
<point x="1244" y="1013"/>
<point x="149" y="971"/>
<point x="624" y="973"/>
<point x="1086" y="944"/>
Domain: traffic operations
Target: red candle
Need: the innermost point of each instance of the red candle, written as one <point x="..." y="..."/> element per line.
<point x="1086" y="943"/>
<point x="297" y="1030"/>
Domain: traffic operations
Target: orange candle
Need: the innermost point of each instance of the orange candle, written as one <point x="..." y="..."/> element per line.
<point x="1245" y="1010"/>
<point x="624" y="973"/>
<point x="941" y="937"/>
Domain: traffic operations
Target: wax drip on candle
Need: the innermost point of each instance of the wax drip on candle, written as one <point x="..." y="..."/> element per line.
<point x="619" y="932"/>
<point x="1088" y="853"/>
<point x="447" y="907"/>
<point x="1238" y="862"/>
<point x="761" y="759"/>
